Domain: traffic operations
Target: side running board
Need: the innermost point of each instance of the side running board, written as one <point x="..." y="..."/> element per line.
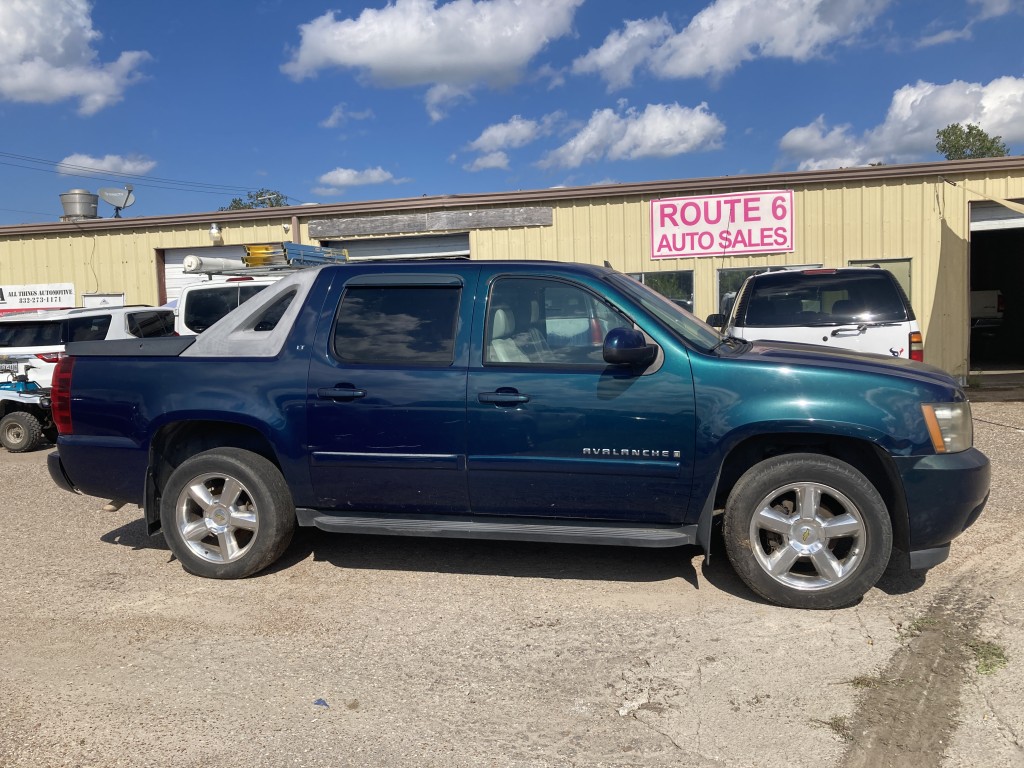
<point x="506" y="528"/>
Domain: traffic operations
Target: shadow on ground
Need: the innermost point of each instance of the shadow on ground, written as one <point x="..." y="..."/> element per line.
<point x="518" y="559"/>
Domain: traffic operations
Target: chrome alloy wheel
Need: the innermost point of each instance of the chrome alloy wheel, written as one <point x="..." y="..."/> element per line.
<point x="217" y="518"/>
<point x="808" y="536"/>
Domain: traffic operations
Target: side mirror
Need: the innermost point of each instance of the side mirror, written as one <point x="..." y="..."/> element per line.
<point x="627" y="346"/>
<point x="716" y="321"/>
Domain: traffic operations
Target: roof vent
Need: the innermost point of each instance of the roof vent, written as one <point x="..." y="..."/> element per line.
<point x="79" y="204"/>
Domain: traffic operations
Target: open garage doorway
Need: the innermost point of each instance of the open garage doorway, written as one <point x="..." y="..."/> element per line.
<point x="996" y="290"/>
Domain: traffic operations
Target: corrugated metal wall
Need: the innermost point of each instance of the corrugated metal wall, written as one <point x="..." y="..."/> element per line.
<point x="924" y="220"/>
<point x="119" y="261"/>
<point x="920" y="218"/>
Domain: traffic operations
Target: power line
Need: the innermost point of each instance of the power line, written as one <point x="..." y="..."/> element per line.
<point x="153" y="182"/>
<point x="30" y="213"/>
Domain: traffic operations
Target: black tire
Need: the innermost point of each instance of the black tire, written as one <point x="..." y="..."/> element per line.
<point x="227" y="535"/>
<point x="807" y="531"/>
<point x="20" y="432"/>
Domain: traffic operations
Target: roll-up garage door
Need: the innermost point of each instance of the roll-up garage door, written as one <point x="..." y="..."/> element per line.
<point x="425" y="246"/>
<point x="987" y="216"/>
<point x="175" y="278"/>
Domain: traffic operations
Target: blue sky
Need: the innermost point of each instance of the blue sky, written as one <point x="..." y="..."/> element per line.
<point x="194" y="103"/>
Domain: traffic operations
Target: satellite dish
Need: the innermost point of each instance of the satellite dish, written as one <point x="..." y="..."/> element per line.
<point x="119" y="198"/>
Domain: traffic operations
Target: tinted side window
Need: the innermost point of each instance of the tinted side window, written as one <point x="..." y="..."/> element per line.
<point x="412" y="325"/>
<point x="272" y="315"/>
<point x="30" y="334"/>
<point x="88" y="328"/>
<point x="548" y="322"/>
<point x="148" y="324"/>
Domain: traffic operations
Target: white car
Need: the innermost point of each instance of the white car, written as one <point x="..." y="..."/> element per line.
<point x="859" y="308"/>
<point x="32" y="342"/>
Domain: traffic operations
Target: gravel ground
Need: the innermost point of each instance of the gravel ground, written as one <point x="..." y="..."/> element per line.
<point x="379" y="651"/>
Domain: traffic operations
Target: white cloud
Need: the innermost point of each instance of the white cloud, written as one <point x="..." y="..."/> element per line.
<point x="86" y="165"/>
<point x="946" y="36"/>
<point x="726" y="34"/>
<point x="441" y="97"/>
<point x="459" y="45"/>
<point x="823" y="147"/>
<point x="661" y="130"/>
<point x="990" y="9"/>
<point x="987" y="9"/>
<point x="340" y="180"/>
<point x="341" y="115"/>
<point x="554" y="75"/>
<point x="46" y="56"/>
<point x="622" y="52"/>
<point x="490" y="161"/>
<point x="517" y="132"/>
<point x="915" y="113"/>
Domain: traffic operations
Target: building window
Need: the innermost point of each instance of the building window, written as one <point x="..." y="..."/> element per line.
<point x="730" y="280"/>
<point x="900" y="269"/>
<point x="675" y="286"/>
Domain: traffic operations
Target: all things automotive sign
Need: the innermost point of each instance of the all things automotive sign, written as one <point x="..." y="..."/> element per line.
<point x="722" y="225"/>
<point x="19" y="298"/>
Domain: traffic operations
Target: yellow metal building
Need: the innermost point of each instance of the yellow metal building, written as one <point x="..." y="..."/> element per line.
<point x="915" y="219"/>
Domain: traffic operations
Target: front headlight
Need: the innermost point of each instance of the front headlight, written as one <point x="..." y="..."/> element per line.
<point x="949" y="426"/>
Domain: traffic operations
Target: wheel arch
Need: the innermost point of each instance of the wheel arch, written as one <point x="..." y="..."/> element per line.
<point x="174" y="442"/>
<point x="868" y="458"/>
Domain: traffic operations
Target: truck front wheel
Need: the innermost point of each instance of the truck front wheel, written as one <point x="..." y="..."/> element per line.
<point x="807" y="531"/>
<point x="227" y="513"/>
<point x="20" y="432"/>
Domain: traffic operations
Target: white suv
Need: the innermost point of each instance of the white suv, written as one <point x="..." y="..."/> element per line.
<point x="32" y="342"/>
<point x="200" y="305"/>
<point x="864" y="309"/>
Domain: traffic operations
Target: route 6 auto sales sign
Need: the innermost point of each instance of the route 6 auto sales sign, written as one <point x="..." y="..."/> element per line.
<point x="722" y="225"/>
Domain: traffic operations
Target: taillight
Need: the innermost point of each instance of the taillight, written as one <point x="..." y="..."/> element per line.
<point x="49" y="357"/>
<point x="60" y="395"/>
<point x="917" y="346"/>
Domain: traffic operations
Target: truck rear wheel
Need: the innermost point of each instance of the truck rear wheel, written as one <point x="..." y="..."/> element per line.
<point x="227" y="513"/>
<point x="807" y="531"/>
<point x="20" y="432"/>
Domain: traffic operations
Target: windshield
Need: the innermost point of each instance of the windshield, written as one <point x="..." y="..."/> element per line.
<point x="788" y="299"/>
<point x="698" y="333"/>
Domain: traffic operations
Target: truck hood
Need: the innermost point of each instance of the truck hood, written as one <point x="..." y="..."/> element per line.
<point x="797" y="354"/>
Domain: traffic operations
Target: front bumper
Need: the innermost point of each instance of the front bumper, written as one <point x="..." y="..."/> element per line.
<point x="945" y="494"/>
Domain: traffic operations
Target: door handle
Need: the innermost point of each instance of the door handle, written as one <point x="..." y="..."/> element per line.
<point x="340" y="393"/>
<point x="503" y="397"/>
<point x="857" y="331"/>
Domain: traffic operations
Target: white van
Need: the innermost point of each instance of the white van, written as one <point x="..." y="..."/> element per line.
<point x="200" y="305"/>
<point x="32" y="342"/>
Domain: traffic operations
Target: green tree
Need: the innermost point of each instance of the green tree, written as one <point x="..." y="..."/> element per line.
<point x="959" y="142"/>
<point x="261" y="198"/>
